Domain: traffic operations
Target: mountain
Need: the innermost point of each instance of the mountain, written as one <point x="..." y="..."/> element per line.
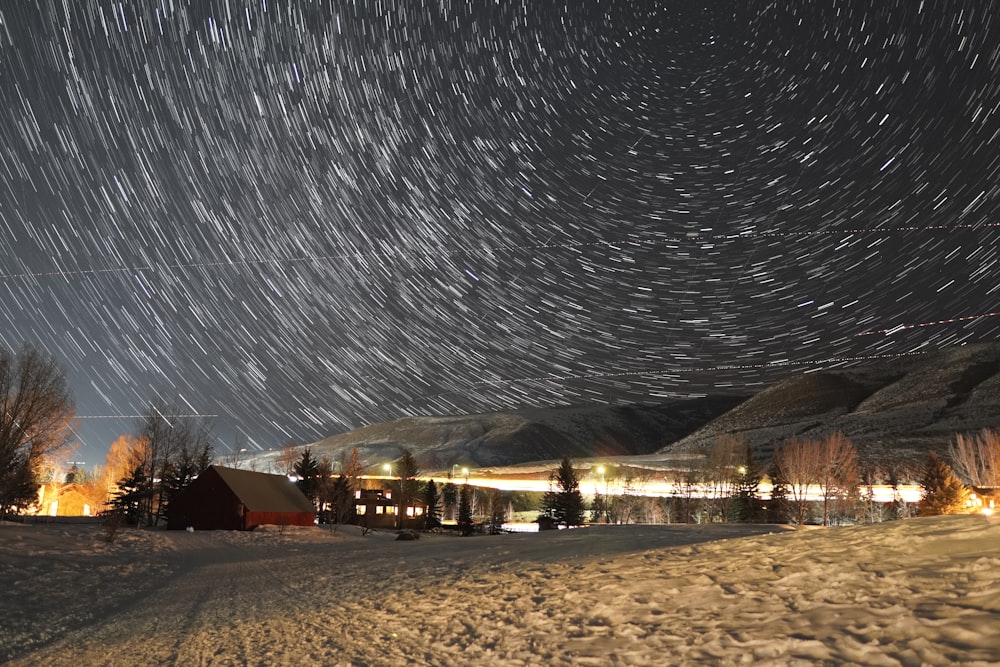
<point x="536" y="434"/>
<point x="892" y="411"/>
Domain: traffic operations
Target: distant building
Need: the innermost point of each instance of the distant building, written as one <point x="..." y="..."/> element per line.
<point x="232" y="499"/>
<point x="375" y="508"/>
<point x="56" y="499"/>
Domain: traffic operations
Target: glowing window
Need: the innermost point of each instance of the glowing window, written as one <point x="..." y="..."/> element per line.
<point x="379" y="509"/>
<point x="361" y="509"/>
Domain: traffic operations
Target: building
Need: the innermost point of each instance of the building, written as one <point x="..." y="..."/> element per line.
<point x="375" y="508"/>
<point x="233" y="499"/>
<point x="55" y="499"/>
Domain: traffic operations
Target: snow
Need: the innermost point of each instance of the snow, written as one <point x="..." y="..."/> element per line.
<point x="915" y="592"/>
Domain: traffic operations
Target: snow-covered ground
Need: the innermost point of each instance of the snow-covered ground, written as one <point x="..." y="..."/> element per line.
<point x="915" y="592"/>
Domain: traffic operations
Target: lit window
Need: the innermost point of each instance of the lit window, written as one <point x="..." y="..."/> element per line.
<point x="409" y="511"/>
<point x="379" y="509"/>
<point x="419" y="510"/>
<point x="361" y="509"/>
<point x="388" y="495"/>
<point x="391" y="509"/>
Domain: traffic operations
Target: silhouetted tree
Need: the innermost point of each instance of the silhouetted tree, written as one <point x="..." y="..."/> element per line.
<point x="351" y="468"/>
<point x="165" y="436"/>
<point x="943" y="491"/>
<point x="184" y="468"/>
<point x="284" y="463"/>
<point x="307" y="471"/>
<point x="432" y="513"/>
<point x="778" y="510"/>
<point x="449" y="497"/>
<point x="341" y="501"/>
<point x="747" y="505"/>
<point x="599" y="509"/>
<point x="565" y="505"/>
<point x="407" y="486"/>
<point x="34" y="422"/>
<point x="129" y="502"/>
<point x="496" y="511"/>
<point x="465" y="509"/>
<point x="721" y="471"/>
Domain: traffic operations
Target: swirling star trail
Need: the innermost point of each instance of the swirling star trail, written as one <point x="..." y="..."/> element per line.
<point x="304" y="217"/>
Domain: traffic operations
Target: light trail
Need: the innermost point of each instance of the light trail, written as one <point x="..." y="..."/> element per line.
<point x="882" y="493"/>
<point x="904" y="327"/>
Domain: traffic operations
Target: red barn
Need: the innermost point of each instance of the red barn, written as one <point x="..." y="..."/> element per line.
<point x="233" y="499"/>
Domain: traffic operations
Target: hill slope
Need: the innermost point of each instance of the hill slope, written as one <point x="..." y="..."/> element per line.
<point x="895" y="410"/>
<point x="508" y="438"/>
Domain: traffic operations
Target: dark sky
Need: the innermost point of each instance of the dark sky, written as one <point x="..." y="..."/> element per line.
<point x="304" y="217"/>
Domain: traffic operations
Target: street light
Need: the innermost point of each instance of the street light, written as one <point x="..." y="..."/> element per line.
<point x="388" y="470"/>
<point x="465" y="471"/>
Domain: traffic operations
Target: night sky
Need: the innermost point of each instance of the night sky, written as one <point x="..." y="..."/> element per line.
<point x="304" y="217"/>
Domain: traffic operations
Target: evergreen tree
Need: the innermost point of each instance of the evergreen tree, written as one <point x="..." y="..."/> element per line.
<point x="747" y="505"/>
<point x="565" y="505"/>
<point x="178" y="473"/>
<point x="599" y="509"/>
<point x="19" y="488"/>
<point x="307" y="471"/>
<point x="465" y="509"/>
<point x="496" y="511"/>
<point x="449" y="494"/>
<point x="432" y="513"/>
<point x="341" y="501"/>
<point x="129" y="502"/>
<point x="943" y="491"/>
<point x="777" y="508"/>
<point x="407" y="485"/>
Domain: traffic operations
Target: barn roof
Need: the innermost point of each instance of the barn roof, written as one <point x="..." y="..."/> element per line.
<point x="263" y="492"/>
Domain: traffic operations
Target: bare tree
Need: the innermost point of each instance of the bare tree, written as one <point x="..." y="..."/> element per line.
<point x="286" y="460"/>
<point x="167" y="436"/>
<point x="799" y="465"/>
<point x="829" y="466"/>
<point x="976" y="458"/>
<point x="838" y="472"/>
<point x="35" y="422"/>
<point x="351" y="468"/>
<point x="722" y="464"/>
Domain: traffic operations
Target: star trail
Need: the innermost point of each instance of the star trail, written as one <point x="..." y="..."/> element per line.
<point x="303" y="217"/>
